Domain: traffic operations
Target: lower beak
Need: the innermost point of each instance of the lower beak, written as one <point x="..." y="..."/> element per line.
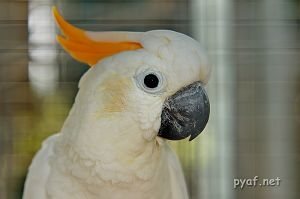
<point x="185" y="113"/>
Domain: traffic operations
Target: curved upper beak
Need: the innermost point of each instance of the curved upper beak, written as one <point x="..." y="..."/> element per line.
<point x="185" y="113"/>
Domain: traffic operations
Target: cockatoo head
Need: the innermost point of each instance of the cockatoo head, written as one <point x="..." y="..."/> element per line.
<point x="152" y="81"/>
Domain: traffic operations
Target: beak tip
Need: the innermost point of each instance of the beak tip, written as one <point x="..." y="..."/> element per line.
<point x="192" y="137"/>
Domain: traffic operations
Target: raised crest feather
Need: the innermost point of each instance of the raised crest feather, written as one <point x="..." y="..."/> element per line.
<point x="90" y="47"/>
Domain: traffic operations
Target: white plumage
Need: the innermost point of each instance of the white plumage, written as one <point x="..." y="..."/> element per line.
<point x="108" y="148"/>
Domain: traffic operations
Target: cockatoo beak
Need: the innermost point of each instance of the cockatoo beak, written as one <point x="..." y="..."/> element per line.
<point x="185" y="113"/>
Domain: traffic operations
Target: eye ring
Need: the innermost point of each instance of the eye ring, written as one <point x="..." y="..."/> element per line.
<point x="151" y="81"/>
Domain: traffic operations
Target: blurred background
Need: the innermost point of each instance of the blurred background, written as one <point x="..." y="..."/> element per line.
<point x="253" y="46"/>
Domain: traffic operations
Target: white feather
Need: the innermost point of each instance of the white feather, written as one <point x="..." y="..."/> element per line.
<point x="108" y="148"/>
<point x="38" y="173"/>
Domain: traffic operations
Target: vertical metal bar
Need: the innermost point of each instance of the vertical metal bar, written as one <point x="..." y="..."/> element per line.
<point x="43" y="68"/>
<point x="212" y="26"/>
<point x="280" y="124"/>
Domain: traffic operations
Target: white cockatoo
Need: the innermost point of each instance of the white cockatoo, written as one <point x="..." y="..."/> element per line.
<point x="142" y="88"/>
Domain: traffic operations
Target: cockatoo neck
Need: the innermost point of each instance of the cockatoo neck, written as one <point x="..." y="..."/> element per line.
<point x="112" y="148"/>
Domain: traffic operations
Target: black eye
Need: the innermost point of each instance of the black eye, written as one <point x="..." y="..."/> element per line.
<point x="151" y="81"/>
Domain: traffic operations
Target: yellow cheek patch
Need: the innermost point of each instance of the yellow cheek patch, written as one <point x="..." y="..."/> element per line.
<point x="114" y="94"/>
<point x="83" y="48"/>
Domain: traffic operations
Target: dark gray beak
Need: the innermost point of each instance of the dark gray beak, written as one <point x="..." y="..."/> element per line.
<point x="185" y="113"/>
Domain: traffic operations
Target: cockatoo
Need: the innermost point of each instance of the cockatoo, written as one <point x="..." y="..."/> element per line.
<point x="142" y="89"/>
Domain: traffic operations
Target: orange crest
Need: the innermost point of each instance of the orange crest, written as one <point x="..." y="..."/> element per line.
<point x="84" y="48"/>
